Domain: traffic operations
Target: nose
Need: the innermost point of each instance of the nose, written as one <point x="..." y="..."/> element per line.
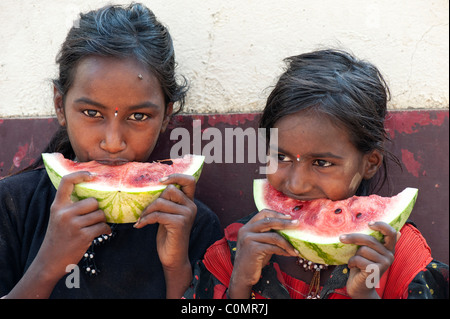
<point x="113" y="141"/>
<point x="299" y="181"/>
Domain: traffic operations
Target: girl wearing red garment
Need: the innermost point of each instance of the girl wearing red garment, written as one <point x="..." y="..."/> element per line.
<point x="329" y="109"/>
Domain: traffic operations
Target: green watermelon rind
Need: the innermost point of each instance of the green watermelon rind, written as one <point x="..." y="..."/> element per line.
<point x="330" y="250"/>
<point x="119" y="206"/>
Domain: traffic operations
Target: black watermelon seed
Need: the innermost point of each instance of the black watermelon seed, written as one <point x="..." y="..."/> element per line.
<point x="358" y="215"/>
<point x="296" y="208"/>
<point x="338" y="211"/>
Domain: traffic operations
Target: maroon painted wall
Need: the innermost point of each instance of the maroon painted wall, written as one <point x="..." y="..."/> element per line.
<point x="420" y="141"/>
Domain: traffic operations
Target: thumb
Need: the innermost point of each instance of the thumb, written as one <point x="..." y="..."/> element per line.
<point x="68" y="183"/>
<point x="186" y="183"/>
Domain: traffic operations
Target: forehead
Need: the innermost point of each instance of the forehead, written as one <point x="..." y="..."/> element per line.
<point x="92" y="66"/>
<point x="310" y="130"/>
<point x="107" y="77"/>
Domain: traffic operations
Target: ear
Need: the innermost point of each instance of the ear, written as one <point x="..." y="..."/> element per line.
<point x="59" y="106"/>
<point x="167" y="116"/>
<point x="373" y="161"/>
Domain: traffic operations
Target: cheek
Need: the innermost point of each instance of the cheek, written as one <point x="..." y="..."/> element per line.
<point x="354" y="183"/>
<point x="270" y="178"/>
<point x="353" y="174"/>
<point x="143" y="151"/>
<point x="143" y="144"/>
<point x="276" y="179"/>
<point x="82" y="143"/>
<point x="341" y="186"/>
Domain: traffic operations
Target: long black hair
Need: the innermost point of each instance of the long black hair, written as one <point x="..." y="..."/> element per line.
<point x="120" y="32"/>
<point x="350" y="91"/>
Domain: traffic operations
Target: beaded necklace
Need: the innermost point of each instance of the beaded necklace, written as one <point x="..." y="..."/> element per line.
<point x="314" y="286"/>
<point x="90" y="268"/>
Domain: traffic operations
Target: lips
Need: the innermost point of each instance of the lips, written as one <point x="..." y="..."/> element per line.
<point x="301" y="198"/>
<point x="112" y="162"/>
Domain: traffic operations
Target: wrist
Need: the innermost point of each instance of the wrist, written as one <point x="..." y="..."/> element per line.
<point x="177" y="280"/>
<point x="177" y="265"/>
<point x="38" y="282"/>
<point x="239" y="289"/>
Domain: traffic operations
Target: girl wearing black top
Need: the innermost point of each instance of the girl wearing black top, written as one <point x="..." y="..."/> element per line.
<point x="113" y="98"/>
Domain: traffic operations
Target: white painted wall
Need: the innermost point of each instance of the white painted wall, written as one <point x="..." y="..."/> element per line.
<point x="231" y="51"/>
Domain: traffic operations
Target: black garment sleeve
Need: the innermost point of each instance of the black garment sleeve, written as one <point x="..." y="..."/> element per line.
<point x="205" y="232"/>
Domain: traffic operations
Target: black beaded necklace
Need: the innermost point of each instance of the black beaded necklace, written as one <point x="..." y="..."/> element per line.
<point x="89" y="267"/>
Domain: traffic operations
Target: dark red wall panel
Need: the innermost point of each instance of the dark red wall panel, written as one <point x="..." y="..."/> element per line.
<point x="420" y="139"/>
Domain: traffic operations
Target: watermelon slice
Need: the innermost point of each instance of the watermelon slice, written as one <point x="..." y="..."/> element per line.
<point x="322" y="221"/>
<point x="123" y="191"/>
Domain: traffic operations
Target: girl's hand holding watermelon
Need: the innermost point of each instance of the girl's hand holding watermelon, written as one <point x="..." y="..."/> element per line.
<point x="175" y="212"/>
<point x="72" y="228"/>
<point x="371" y="254"/>
<point x="255" y="246"/>
<point x="73" y="225"/>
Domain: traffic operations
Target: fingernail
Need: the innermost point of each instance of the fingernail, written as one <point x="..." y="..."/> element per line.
<point x="163" y="179"/>
<point x="342" y="237"/>
<point x="371" y="223"/>
<point x="297" y="252"/>
<point x="294" y="221"/>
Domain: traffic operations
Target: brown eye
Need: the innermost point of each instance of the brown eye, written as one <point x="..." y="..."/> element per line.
<point x="322" y="163"/>
<point x="138" y="117"/>
<point x="282" y="157"/>
<point x="92" y="113"/>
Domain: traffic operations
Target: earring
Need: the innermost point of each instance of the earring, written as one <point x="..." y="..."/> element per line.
<point x="115" y="113"/>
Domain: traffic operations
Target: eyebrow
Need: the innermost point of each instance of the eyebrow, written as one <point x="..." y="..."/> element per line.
<point x="324" y="155"/>
<point x="86" y="100"/>
<point x="312" y="155"/>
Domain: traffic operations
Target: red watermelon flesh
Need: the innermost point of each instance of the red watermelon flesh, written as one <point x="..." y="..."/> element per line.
<point x="322" y="221"/>
<point x="122" y="191"/>
<point x="327" y="217"/>
<point x="128" y="175"/>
